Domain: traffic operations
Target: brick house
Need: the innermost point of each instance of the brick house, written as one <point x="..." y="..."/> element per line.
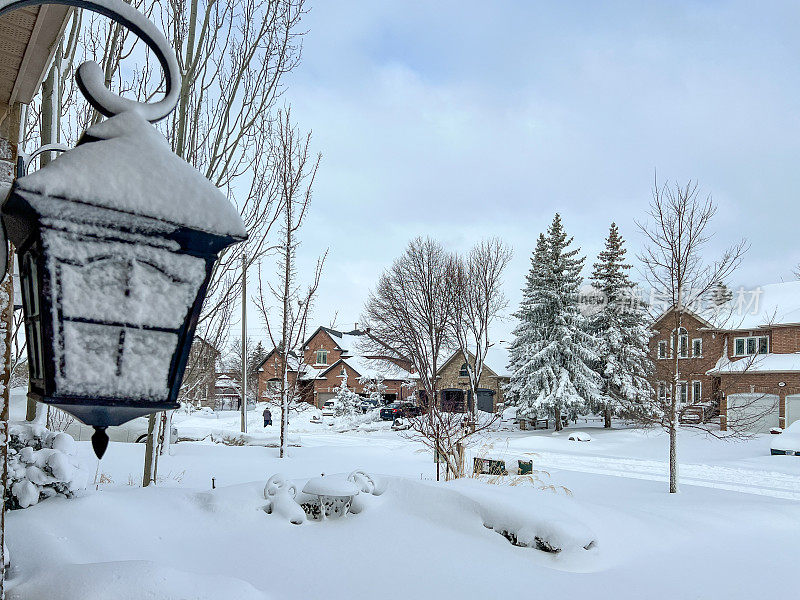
<point x="454" y="385"/>
<point x="745" y="363"/>
<point x="327" y="356"/>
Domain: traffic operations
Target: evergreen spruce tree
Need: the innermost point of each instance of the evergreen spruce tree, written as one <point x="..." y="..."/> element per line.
<point x="622" y="333"/>
<point x="348" y="403"/>
<point x="552" y="353"/>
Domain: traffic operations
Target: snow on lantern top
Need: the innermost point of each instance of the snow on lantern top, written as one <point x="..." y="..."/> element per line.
<point x="126" y="165"/>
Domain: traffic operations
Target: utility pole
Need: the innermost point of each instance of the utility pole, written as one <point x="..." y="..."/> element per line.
<point x="244" y="342"/>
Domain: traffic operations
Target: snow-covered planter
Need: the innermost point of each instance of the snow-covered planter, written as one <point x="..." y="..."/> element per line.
<point x="334" y="496"/>
<point x="321" y="498"/>
<point x="41" y="464"/>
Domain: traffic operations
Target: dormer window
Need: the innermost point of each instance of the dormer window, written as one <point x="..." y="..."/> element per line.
<point x="464" y="371"/>
<point x="322" y="357"/>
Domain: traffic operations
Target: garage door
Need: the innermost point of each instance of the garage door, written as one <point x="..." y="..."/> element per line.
<point x="323" y="397"/>
<point x="486" y="400"/>
<point x="792" y="409"/>
<point x="756" y="413"/>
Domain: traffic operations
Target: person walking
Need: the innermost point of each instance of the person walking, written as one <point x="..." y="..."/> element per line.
<point x="267" y="417"/>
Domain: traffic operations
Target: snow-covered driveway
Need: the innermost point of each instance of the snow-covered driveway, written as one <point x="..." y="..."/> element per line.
<point x="749" y="481"/>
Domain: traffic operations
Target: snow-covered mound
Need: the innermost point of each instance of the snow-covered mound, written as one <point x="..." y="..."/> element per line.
<point x="42" y="464"/>
<point x="132" y="580"/>
<point x="579" y="436"/>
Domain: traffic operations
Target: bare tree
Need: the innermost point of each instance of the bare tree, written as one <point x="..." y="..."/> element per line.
<point x="296" y="170"/>
<point x="677" y="234"/>
<point x="479" y="303"/>
<point x="412" y="310"/>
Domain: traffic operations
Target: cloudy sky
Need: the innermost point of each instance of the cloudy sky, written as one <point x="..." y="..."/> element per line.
<point x="462" y="119"/>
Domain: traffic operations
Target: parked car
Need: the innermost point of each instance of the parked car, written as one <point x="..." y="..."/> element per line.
<point x="789" y="441"/>
<point x="368" y="405"/>
<point x="400" y="409"/>
<point x="134" y="431"/>
<point x="328" y="408"/>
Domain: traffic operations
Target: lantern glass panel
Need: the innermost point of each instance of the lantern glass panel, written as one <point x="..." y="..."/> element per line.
<point x="119" y="309"/>
<point x="33" y="324"/>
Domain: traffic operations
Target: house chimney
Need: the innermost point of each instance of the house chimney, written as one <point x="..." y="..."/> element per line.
<point x="355" y="328"/>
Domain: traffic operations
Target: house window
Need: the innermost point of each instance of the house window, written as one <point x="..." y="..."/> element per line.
<point x="464" y="371"/>
<point x="662" y="349"/>
<point x="273" y="387"/>
<point x="322" y="357"/>
<point x="697" y="347"/>
<point x="683" y="343"/>
<point x="683" y="392"/>
<point x="662" y="391"/>
<point x="746" y="346"/>
<point x="697" y="389"/>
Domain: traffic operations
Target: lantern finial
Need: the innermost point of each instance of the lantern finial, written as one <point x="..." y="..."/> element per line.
<point x="99" y="441"/>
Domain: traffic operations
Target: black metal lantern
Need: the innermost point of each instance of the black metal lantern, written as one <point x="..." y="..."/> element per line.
<point x="116" y="241"/>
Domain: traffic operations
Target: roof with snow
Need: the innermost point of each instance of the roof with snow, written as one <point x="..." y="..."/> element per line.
<point x="759" y="308"/>
<point x="764" y="306"/>
<point x="759" y="363"/>
<point x="125" y="164"/>
<point x="496" y="360"/>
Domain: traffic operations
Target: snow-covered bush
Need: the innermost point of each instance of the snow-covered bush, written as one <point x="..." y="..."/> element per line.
<point x="41" y="464"/>
<point x="347" y="402"/>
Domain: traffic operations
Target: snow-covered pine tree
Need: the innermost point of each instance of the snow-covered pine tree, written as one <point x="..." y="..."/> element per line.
<point x="621" y="330"/>
<point x="374" y="387"/>
<point x="552" y="351"/>
<point x="348" y="403"/>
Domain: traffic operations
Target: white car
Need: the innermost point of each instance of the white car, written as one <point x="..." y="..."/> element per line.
<point x="328" y="408"/>
<point x="788" y="442"/>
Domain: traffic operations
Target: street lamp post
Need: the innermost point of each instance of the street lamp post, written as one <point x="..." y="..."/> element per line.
<point x="116" y="241"/>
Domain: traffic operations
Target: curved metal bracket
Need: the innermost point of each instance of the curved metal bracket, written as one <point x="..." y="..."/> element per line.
<point x="89" y="75"/>
<point x="24" y="160"/>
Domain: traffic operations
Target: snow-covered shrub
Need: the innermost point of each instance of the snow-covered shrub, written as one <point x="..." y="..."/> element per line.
<point x="41" y="464"/>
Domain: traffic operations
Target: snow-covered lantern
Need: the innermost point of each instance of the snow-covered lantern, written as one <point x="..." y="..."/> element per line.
<point x="116" y="241"/>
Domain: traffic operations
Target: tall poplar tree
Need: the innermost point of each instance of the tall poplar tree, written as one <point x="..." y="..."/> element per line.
<point x="622" y="333"/>
<point x="553" y="350"/>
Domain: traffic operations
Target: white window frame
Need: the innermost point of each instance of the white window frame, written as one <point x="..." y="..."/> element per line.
<point x="662" y="391"/>
<point x="683" y="385"/>
<point x="662" y="349"/>
<point x="699" y="396"/>
<point x="682" y="349"/>
<point x="697" y="354"/>
<point x="324" y="354"/>
<point x="747" y="340"/>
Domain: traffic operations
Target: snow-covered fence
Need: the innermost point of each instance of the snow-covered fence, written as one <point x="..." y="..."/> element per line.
<point x="41" y="464"/>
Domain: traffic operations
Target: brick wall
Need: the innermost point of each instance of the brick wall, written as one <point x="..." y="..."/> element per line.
<point x="693" y="368"/>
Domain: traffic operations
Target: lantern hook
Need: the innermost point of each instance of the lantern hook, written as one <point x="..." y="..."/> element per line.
<point x="90" y="77"/>
<point x="24" y="160"/>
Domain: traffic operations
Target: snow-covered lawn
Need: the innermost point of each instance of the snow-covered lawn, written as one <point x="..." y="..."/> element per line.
<point x="732" y="532"/>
